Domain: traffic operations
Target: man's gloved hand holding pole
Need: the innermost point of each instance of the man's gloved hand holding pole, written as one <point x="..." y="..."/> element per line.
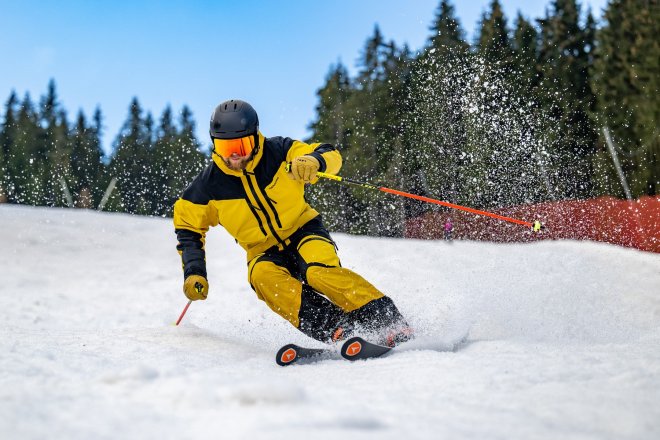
<point x="305" y="168"/>
<point x="196" y="287"/>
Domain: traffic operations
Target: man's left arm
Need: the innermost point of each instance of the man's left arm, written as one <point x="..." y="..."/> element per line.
<point x="308" y="159"/>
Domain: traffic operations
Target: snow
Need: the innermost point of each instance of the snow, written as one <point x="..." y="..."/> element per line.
<point x="561" y="340"/>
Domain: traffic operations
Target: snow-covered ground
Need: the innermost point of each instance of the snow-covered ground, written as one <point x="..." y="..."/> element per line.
<point x="563" y="340"/>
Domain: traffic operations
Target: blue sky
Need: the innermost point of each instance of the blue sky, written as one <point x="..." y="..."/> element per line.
<point x="274" y="54"/>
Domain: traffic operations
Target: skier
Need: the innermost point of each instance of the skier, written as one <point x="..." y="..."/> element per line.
<point x="448" y="228"/>
<point x="254" y="188"/>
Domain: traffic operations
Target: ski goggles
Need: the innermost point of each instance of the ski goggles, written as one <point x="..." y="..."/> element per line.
<point x="241" y="146"/>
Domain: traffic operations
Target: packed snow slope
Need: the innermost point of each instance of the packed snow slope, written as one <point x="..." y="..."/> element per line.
<point x="538" y="341"/>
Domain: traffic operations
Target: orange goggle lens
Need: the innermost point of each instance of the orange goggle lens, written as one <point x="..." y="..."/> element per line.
<point x="241" y="146"/>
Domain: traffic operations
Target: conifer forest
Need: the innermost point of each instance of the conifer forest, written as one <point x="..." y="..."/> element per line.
<point x="532" y="110"/>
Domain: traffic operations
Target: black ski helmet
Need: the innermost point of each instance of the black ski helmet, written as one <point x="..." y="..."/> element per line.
<point x="234" y="119"/>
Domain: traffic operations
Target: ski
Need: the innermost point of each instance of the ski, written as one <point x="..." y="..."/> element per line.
<point x="357" y="348"/>
<point x="353" y="349"/>
<point x="292" y="353"/>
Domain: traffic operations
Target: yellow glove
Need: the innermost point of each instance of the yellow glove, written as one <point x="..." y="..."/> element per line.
<point x="196" y="287"/>
<point x="305" y="168"/>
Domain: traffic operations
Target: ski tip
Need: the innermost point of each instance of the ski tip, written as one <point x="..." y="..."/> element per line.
<point x="357" y="348"/>
<point x="352" y="348"/>
<point x="286" y="355"/>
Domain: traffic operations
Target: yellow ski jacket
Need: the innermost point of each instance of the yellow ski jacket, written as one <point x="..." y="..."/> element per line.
<point x="260" y="206"/>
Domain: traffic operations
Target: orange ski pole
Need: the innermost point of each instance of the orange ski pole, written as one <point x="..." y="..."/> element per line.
<point x="185" y="309"/>
<point x="536" y="226"/>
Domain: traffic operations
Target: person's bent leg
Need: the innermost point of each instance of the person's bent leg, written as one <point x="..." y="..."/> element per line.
<point x="364" y="304"/>
<point x="306" y="310"/>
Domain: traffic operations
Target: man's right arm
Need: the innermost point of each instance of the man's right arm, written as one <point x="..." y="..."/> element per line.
<point x="191" y="249"/>
<point x="192" y="219"/>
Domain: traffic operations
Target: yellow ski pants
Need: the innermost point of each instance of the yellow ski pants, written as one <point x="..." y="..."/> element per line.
<point x="283" y="278"/>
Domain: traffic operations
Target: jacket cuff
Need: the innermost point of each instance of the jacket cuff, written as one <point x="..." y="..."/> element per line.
<point x="318" y="156"/>
<point x="194" y="268"/>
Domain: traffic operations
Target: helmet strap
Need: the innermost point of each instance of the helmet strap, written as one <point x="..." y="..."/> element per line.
<point x="255" y="150"/>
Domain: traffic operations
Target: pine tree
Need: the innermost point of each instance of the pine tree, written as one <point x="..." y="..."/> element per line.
<point x="399" y="83"/>
<point x="525" y="49"/>
<point x="626" y="82"/>
<point x="435" y="129"/>
<point x="105" y="171"/>
<point x="494" y="43"/>
<point x="365" y="101"/>
<point x="565" y="77"/>
<point x="26" y="158"/>
<point x="488" y="169"/>
<point x="86" y="163"/>
<point x="102" y="178"/>
<point x="502" y="124"/>
<point x="447" y="34"/>
<point x="187" y="159"/>
<point x="177" y="159"/>
<point x="130" y="163"/>
<point x="8" y="135"/>
<point x="55" y="147"/>
<point x="528" y="93"/>
<point x="331" y="126"/>
<point x="163" y="161"/>
<point x="589" y="31"/>
<point x="332" y="100"/>
<point x="364" y="152"/>
<point x="377" y="133"/>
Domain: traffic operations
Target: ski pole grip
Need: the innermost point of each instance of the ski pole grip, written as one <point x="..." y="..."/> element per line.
<point x="287" y="168"/>
<point x="329" y="176"/>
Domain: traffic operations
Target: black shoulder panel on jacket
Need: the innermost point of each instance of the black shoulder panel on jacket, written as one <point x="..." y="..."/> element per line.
<point x="275" y="151"/>
<point x="196" y="191"/>
<point x="213" y="184"/>
<point x="277" y="147"/>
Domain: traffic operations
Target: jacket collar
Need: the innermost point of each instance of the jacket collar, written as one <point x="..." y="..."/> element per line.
<point x="250" y="166"/>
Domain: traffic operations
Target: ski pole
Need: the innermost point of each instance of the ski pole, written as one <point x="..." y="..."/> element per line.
<point x="536" y="226"/>
<point x="185" y="309"/>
